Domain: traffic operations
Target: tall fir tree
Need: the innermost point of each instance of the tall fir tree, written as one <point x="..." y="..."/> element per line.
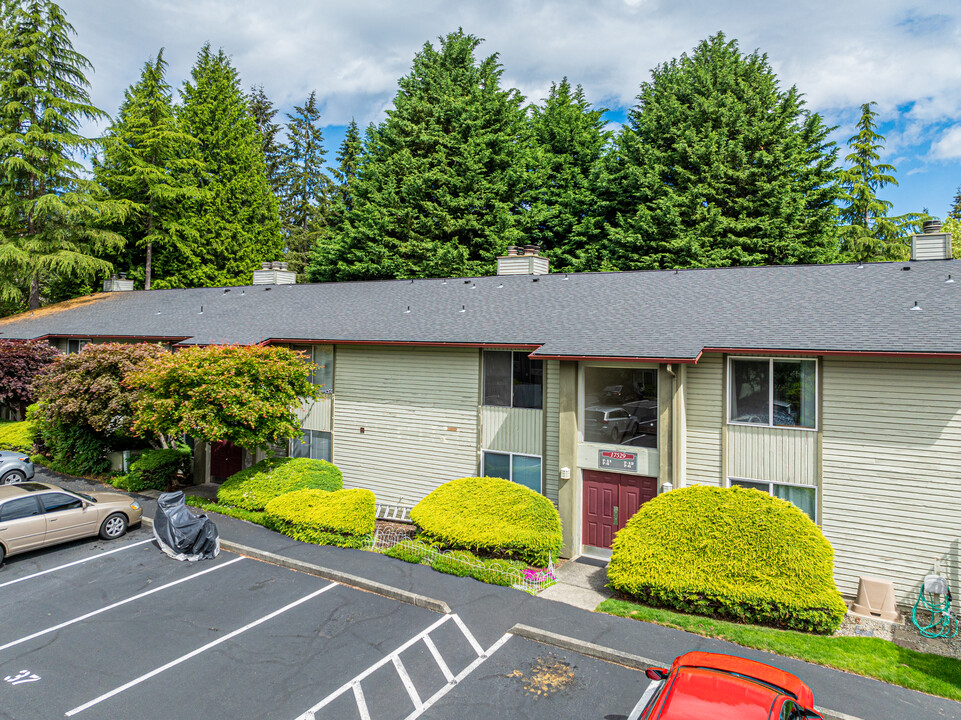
<point x="441" y="182"/>
<point x="263" y="111"/>
<point x="307" y="188"/>
<point x="52" y="217"/>
<point x="956" y="206"/>
<point x="718" y="166"/>
<point x="323" y="254"/>
<point x="145" y="160"/>
<point x="866" y="232"/>
<point x="569" y="140"/>
<point x="234" y="224"/>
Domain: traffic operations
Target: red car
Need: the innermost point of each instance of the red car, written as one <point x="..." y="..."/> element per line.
<point x="701" y="685"/>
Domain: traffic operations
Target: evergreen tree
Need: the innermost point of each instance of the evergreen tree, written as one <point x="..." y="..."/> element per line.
<point x="569" y="141"/>
<point x="441" y="181"/>
<point x="234" y="225"/>
<point x="51" y="216"/>
<point x="956" y="206"/>
<point x="866" y="232"/>
<point x="263" y="112"/>
<point x="323" y="255"/>
<point x="307" y="187"/>
<point x="143" y="162"/>
<point x="718" y="166"/>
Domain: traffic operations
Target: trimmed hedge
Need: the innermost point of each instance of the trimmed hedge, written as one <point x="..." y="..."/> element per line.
<point x="253" y="488"/>
<point x="239" y="513"/>
<point x="492" y="516"/>
<point x="729" y="552"/>
<point x="344" y="517"/>
<point x="156" y="470"/>
<point x="16" y="435"/>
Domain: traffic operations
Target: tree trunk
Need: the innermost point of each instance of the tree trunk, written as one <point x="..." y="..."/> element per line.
<point x="34" y="301"/>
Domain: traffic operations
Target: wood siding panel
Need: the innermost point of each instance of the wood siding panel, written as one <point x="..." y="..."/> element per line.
<point x="552" y="432"/>
<point x="418" y="408"/>
<point x="891" y="493"/>
<point x="704" y="421"/>
<point x="518" y="430"/>
<point x="775" y="454"/>
<point x="316" y="414"/>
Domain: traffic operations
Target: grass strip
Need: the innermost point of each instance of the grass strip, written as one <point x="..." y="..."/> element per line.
<point x="871" y="657"/>
<point x="200" y="503"/>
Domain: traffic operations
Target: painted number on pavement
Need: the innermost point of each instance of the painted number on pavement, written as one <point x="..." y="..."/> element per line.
<point x="24" y="676"/>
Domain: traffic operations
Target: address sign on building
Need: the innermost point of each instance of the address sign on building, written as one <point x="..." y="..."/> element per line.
<point x="617" y="460"/>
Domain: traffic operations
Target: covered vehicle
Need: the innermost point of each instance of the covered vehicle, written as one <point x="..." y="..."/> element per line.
<point x="702" y="685"/>
<point x="181" y="534"/>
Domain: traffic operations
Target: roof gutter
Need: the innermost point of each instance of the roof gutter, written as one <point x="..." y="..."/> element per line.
<point x="409" y="343"/>
<point x="852" y="353"/>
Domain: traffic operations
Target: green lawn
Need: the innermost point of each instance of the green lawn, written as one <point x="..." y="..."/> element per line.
<point x="871" y="657"/>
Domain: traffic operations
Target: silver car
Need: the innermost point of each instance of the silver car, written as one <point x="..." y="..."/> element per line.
<point x="15" y="467"/>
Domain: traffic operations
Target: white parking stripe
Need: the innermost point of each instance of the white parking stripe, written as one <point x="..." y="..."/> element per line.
<point x="437" y="657"/>
<point x="309" y="715"/>
<point x="408" y="683"/>
<point x="361" y="702"/>
<point x="117" y="604"/>
<point x="198" y="651"/>
<point x="75" y="562"/>
<point x="642" y="703"/>
<point x="467" y="634"/>
<point x="460" y="677"/>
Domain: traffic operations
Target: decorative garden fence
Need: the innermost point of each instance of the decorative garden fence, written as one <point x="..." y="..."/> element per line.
<point x="529" y="580"/>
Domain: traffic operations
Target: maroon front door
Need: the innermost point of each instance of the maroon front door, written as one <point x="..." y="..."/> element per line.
<point x="610" y="500"/>
<point x="225" y="460"/>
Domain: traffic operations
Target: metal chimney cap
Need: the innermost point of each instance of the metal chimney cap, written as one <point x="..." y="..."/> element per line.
<point x="265" y="266"/>
<point x="932" y="226"/>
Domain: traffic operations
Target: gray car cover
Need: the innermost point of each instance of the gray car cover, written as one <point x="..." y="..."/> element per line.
<point x="181" y="534"/>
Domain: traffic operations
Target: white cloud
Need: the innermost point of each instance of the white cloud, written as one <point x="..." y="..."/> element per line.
<point x="948" y="146"/>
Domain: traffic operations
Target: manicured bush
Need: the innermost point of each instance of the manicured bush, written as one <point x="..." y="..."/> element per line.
<point x="74" y="448"/>
<point x="492" y="516"/>
<point x="16" y="436"/>
<point x="157" y="469"/>
<point x="254" y="487"/>
<point x="729" y="552"/>
<point x="406" y="553"/>
<point x="344" y="517"/>
<point x="239" y="513"/>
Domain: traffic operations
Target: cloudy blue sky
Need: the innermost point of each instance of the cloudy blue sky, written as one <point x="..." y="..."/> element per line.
<point x="906" y="56"/>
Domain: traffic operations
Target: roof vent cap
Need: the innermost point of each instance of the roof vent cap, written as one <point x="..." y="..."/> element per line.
<point x="931" y="244"/>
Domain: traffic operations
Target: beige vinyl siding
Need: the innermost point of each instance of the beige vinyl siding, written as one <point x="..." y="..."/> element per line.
<point x="891" y="486"/>
<point x="516" y="430"/>
<point x="316" y="414"/>
<point x="552" y="413"/>
<point x="704" y="421"/>
<point x="418" y="408"/>
<point x="775" y="454"/>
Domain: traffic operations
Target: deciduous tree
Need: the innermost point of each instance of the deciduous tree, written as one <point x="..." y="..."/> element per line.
<point x="20" y="362"/>
<point x="243" y="394"/>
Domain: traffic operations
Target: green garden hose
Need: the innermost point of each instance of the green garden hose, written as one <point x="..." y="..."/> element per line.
<point x="944" y="624"/>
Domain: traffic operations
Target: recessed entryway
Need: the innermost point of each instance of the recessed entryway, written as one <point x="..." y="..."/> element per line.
<point x="609" y="501"/>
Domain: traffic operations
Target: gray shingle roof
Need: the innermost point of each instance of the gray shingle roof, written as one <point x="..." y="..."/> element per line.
<point x="654" y="314"/>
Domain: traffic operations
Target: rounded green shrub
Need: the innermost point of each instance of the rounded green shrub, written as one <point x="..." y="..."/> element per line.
<point x="492" y="516"/>
<point x="157" y="469"/>
<point x="16" y="436"/>
<point x="729" y="552"/>
<point x="253" y="488"/>
<point x="344" y="517"/>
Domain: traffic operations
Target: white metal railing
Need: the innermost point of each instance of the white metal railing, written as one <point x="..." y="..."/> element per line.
<point x="530" y="580"/>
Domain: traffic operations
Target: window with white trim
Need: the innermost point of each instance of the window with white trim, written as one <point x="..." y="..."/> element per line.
<point x="522" y="469"/>
<point x="323" y="357"/>
<point x="313" y="444"/>
<point x="775" y="392"/>
<point x="804" y="497"/>
<point x="75" y="346"/>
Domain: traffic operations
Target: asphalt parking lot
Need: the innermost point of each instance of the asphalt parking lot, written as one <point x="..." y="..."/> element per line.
<point x="118" y="630"/>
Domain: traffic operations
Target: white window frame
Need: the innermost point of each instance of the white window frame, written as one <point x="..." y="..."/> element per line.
<point x="581" y="401"/>
<point x="312" y="347"/>
<point x="511" y="455"/>
<point x="81" y="343"/>
<point x="290" y="443"/>
<point x="770" y="490"/>
<point x="770" y="390"/>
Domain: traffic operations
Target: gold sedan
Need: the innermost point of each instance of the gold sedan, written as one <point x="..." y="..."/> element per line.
<point x="34" y="515"/>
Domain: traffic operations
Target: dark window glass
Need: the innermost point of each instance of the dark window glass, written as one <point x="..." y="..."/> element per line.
<point x="19" y="508"/>
<point x="497" y="465"/>
<point x="55" y="502"/>
<point x="527" y="471"/>
<point x="497" y="378"/>
<point x="620" y="406"/>
<point x="794" y="382"/>
<point x="751" y="391"/>
<point x="528" y="381"/>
